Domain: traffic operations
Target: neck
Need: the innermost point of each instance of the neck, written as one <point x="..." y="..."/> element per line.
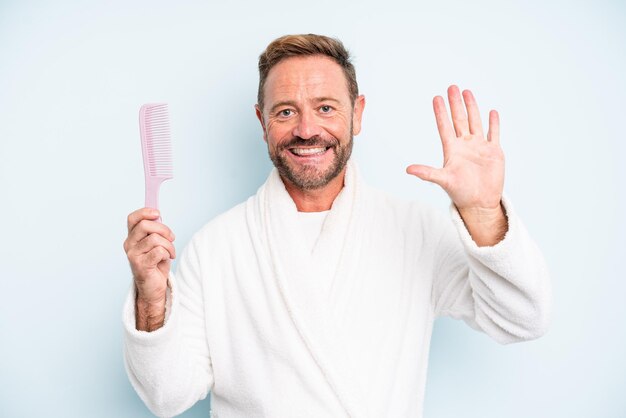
<point x="317" y="200"/>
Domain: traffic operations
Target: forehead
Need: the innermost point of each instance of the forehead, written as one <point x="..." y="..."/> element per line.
<point x="304" y="78"/>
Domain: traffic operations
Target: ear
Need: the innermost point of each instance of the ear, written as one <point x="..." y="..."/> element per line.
<point x="259" y="115"/>
<point x="359" y="105"/>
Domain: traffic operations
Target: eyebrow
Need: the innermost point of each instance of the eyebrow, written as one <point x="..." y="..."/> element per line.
<point x="294" y="104"/>
<point x="283" y="103"/>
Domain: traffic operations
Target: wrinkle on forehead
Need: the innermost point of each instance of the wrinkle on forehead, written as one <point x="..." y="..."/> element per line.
<point x="306" y="78"/>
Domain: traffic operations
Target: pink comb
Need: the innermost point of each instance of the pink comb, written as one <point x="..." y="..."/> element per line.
<point x="156" y="148"/>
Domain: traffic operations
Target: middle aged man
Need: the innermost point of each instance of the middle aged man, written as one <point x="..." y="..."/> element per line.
<point x="316" y="297"/>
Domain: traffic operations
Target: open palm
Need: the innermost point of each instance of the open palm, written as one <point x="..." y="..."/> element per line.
<point x="473" y="165"/>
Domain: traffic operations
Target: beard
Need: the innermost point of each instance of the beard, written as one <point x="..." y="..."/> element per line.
<point x="309" y="176"/>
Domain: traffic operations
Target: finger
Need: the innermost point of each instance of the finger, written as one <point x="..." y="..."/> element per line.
<point x="145" y="227"/>
<point x="431" y="174"/>
<point x="140" y="214"/>
<point x="475" y="125"/>
<point x="151" y="241"/>
<point x="446" y="132"/>
<point x="494" y="127"/>
<point x="155" y="256"/>
<point x="459" y="117"/>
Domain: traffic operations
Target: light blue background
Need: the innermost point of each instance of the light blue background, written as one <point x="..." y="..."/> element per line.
<point x="73" y="75"/>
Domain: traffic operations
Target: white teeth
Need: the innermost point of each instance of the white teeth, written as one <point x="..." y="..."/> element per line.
<point x="307" y="151"/>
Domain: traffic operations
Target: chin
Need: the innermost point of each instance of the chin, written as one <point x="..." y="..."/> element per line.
<point x="310" y="177"/>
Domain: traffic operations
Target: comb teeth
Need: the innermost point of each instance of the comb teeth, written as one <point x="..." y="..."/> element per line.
<point x="155" y="127"/>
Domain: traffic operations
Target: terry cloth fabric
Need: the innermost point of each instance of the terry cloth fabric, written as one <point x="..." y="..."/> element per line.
<point x="272" y="329"/>
<point x="309" y="227"/>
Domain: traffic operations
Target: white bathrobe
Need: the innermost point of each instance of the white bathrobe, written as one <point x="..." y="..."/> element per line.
<point x="272" y="329"/>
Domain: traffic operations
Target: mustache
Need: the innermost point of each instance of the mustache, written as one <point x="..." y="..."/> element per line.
<point x="314" y="141"/>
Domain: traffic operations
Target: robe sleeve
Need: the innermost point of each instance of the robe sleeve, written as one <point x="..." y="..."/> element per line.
<point x="503" y="290"/>
<point x="170" y="368"/>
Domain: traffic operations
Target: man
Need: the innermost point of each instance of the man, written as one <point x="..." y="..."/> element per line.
<point x="316" y="297"/>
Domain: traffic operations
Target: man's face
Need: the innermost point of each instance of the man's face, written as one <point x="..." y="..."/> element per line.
<point x="308" y="120"/>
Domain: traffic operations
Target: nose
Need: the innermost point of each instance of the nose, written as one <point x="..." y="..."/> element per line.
<point x="307" y="126"/>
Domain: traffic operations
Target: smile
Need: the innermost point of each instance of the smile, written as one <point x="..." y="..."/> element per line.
<point x="308" y="151"/>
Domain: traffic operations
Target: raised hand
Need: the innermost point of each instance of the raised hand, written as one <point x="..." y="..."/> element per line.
<point x="473" y="165"/>
<point x="149" y="248"/>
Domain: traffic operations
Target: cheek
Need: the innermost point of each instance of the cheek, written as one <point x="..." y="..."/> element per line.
<point x="277" y="134"/>
<point x="276" y="130"/>
<point x="281" y="126"/>
<point x="339" y="129"/>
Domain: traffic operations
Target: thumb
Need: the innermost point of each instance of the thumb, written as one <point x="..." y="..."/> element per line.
<point x="164" y="267"/>
<point x="431" y="174"/>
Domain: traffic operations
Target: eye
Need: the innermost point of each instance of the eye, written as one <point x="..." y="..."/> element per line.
<point x="326" y="109"/>
<point x="285" y="113"/>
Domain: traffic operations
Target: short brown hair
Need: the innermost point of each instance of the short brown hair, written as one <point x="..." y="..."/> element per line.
<point x="302" y="45"/>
